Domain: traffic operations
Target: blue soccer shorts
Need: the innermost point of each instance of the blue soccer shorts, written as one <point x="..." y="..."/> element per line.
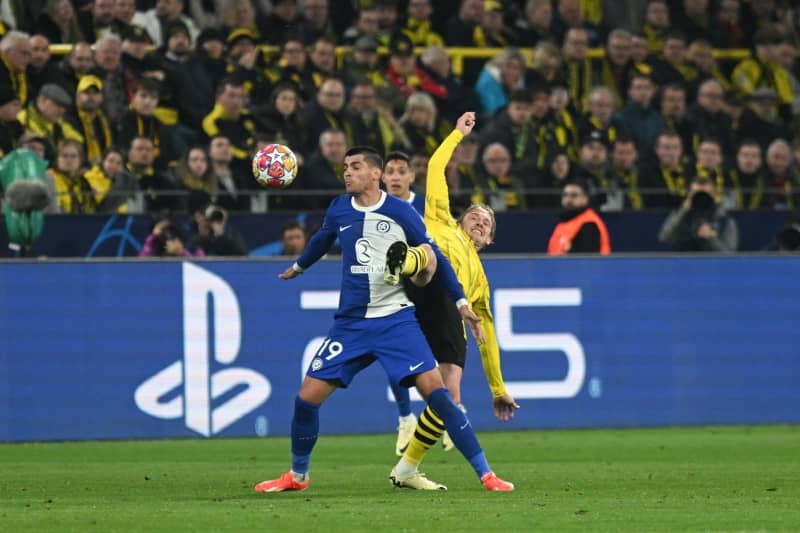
<point x="353" y="344"/>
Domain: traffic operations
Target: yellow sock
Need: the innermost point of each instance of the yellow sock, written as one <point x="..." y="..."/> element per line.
<point x="416" y="261"/>
<point x="429" y="429"/>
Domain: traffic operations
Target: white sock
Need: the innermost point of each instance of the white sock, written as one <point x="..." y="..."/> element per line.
<point x="404" y="468"/>
<point x="407" y="418"/>
<point x="299" y="477"/>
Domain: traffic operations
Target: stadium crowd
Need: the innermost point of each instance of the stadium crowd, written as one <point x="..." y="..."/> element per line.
<point x="688" y="105"/>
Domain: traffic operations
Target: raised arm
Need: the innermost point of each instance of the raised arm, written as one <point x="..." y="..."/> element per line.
<point x="437" y="196"/>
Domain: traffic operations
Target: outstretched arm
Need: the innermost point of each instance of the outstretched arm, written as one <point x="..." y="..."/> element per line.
<point x="317" y="246"/>
<point x="502" y="402"/>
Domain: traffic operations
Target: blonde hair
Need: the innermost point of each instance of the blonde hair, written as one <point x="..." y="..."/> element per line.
<point x="544" y="50"/>
<point x="424" y="101"/>
<point x="488" y="210"/>
<point x="509" y="53"/>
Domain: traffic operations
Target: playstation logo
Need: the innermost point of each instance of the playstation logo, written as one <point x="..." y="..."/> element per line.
<point x="200" y="387"/>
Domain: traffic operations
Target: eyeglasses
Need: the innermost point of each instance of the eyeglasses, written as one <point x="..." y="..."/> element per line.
<point x="332" y="95"/>
<point x="571" y="194"/>
<point x="68" y="155"/>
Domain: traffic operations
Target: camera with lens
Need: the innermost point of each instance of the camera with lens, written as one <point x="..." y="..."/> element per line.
<point x="215" y="214"/>
<point x="702" y="202"/>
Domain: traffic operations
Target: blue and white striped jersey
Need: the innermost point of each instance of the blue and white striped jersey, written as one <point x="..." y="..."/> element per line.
<point x="365" y="234"/>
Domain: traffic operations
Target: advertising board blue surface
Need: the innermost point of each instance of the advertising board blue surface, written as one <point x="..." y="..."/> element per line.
<point x="111" y="350"/>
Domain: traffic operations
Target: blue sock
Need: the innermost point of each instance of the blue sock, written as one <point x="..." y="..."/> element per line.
<point x="403" y="399"/>
<point x="305" y="430"/>
<point x="460" y="430"/>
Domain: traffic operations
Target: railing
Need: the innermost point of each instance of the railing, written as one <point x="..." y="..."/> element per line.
<point x="457" y="54"/>
<point x="316" y="200"/>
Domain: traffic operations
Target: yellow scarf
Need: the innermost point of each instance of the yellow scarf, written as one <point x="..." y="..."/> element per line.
<point x="580" y="82"/>
<point x="74" y="193"/>
<point x="93" y="149"/>
<point x="592" y="11"/>
<point x="482" y="40"/>
<point x="655" y="39"/>
<point x="755" y="197"/>
<point x="19" y="82"/>
<point x="99" y="182"/>
<point x="152" y="134"/>
<point x="421" y="33"/>
<point x="675" y="183"/>
<point x="340" y="125"/>
<point x="631" y="180"/>
<point x="611" y="82"/>
<point x="717" y="174"/>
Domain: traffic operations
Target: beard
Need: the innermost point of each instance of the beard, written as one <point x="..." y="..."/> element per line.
<point x="90" y="107"/>
<point x="181" y="50"/>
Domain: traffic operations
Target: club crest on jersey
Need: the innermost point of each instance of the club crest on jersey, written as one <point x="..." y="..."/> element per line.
<point x="383" y="226"/>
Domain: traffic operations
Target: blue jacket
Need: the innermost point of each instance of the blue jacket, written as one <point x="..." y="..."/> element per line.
<point x="491" y="92"/>
<point x="642" y="124"/>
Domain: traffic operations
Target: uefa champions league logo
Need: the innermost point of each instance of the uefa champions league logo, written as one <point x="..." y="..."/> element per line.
<point x="200" y="388"/>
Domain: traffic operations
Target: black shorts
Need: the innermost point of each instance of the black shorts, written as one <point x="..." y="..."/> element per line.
<point x="440" y="321"/>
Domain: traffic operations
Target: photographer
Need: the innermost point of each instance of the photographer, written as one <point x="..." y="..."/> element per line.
<point x="166" y="239"/>
<point x="215" y="236"/>
<point x="700" y="224"/>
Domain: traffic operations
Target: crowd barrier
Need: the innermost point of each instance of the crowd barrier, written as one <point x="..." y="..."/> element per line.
<point x="157" y="349"/>
<point x="458" y="54"/>
<point x="524" y="232"/>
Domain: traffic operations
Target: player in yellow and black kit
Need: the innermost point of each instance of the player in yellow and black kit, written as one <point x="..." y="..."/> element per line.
<point x="460" y="241"/>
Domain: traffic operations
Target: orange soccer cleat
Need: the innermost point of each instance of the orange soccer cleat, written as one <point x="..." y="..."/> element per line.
<point x="492" y="482"/>
<point x="283" y="483"/>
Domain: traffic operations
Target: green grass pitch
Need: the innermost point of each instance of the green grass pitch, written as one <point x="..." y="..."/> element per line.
<point x="676" y="479"/>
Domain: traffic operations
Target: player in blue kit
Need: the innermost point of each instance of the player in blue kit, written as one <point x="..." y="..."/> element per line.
<point x="397" y="178"/>
<point x="375" y="320"/>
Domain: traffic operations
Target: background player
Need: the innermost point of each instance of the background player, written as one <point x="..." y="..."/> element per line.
<point x="375" y="320"/>
<point x="397" y="178"/>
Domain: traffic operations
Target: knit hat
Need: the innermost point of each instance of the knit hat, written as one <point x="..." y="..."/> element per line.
<point x="175" y="27"/>
<point x="401" y="45"/>
<point x="136" y="34"/>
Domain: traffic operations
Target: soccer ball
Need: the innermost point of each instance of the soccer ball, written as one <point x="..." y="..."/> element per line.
<point x="275" y="165"/>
